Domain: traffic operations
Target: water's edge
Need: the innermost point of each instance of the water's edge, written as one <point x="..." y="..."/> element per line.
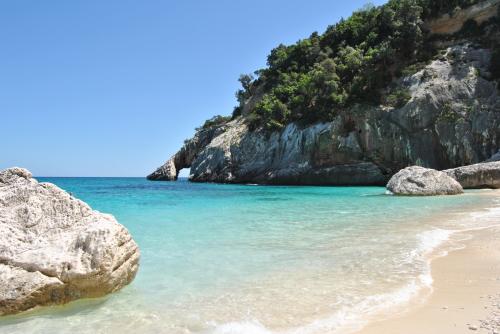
<point x="265" y="259"/>
<point x="453" y="241"/>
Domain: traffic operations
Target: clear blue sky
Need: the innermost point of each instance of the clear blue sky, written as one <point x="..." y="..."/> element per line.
<point x="112" y="88"/>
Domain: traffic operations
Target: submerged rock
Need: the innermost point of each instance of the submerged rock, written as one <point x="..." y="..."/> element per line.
<point x="54" y="248"/>
<point x="482" y="175"/>
<point x="419" y="181"/>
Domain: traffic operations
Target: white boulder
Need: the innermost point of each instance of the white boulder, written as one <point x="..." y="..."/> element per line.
<point x="54" y="248"/>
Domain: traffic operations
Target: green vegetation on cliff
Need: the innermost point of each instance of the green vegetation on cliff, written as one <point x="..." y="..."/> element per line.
<point x="213" y="122"/>
<point x="353" y="61"/>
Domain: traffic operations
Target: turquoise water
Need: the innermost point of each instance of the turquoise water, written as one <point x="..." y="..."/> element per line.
<point x="260" y="259"/>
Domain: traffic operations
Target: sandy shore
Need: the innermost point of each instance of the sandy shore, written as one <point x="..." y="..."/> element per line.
<point x="466" y="293"/>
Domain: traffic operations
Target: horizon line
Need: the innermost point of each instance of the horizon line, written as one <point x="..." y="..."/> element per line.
<point x="136" y="177"/>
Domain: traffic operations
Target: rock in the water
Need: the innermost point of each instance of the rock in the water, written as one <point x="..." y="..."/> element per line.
<point x="169" y="171"/>
<point x="482" y="175"/>
<point x="419" y="181"/>
<point x="54" y="248"/>
<point x="166" y="172"/>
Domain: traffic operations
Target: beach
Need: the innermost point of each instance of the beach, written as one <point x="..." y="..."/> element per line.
<point x="323" y="260"/>
<point x="465" y="294"/>
<point x="157" y="178"/>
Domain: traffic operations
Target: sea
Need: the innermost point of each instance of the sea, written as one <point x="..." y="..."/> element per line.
<point x="252" y="259"/>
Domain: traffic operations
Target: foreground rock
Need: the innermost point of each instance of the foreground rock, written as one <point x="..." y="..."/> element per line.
<point x="54" y="248"/>
<point x="482" y="175"/>
<point x="452" y="119"/>
<point x="419" y="181"/>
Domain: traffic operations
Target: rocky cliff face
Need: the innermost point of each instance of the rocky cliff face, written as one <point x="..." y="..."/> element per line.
<point x="186" y="155"/>
<point x="451" y="23"/>
<point x="452" y="119"/>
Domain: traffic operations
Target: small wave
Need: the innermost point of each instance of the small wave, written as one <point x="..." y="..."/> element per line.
<point x="353" y="318"/>
<point x="430" y="240"/>
<point x="492" y="212"/>
<point x="243" y="327"/>
<point x="348" y="319"/>
<point x="479" y="220"/>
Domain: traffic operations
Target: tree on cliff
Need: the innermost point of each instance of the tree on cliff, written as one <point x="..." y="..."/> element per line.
<point x="354" y="61"/>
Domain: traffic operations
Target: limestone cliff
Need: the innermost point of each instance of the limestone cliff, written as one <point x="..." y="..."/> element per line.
<point x="452" y="22"/>
<point x="452" y="119"/>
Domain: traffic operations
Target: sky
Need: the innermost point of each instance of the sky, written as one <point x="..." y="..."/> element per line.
<point x="112" y="88"/>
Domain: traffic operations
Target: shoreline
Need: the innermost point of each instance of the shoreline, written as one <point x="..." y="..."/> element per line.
<point x="449" y="269"/>
<point x="465" y="293"/>
<point x="446" y="240"/>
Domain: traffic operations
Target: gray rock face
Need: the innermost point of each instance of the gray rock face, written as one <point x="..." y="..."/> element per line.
<point x="451" y="23"/>
<point x="54" y="248"/>
<point x="419" y="181"/>
<point x="451" y="120"/>
<point x="482" y="175"/>
<point x="494" y="157"/>
<point x="169" y="171"/>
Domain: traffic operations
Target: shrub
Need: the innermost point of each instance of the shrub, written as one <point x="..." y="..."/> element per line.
<point x="412" y="69"/>
<point x="398" y="98"/>
<point x="214" y="121"/>
<point x="272" y="112"/>
<point x="448" y="114"/>
<point x="253" y="120"/>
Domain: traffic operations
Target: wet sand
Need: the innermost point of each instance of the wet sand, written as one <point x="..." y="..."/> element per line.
<point x="465" y="296"/>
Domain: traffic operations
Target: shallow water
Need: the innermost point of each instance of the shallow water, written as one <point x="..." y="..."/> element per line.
<point x="260" y="259"/>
